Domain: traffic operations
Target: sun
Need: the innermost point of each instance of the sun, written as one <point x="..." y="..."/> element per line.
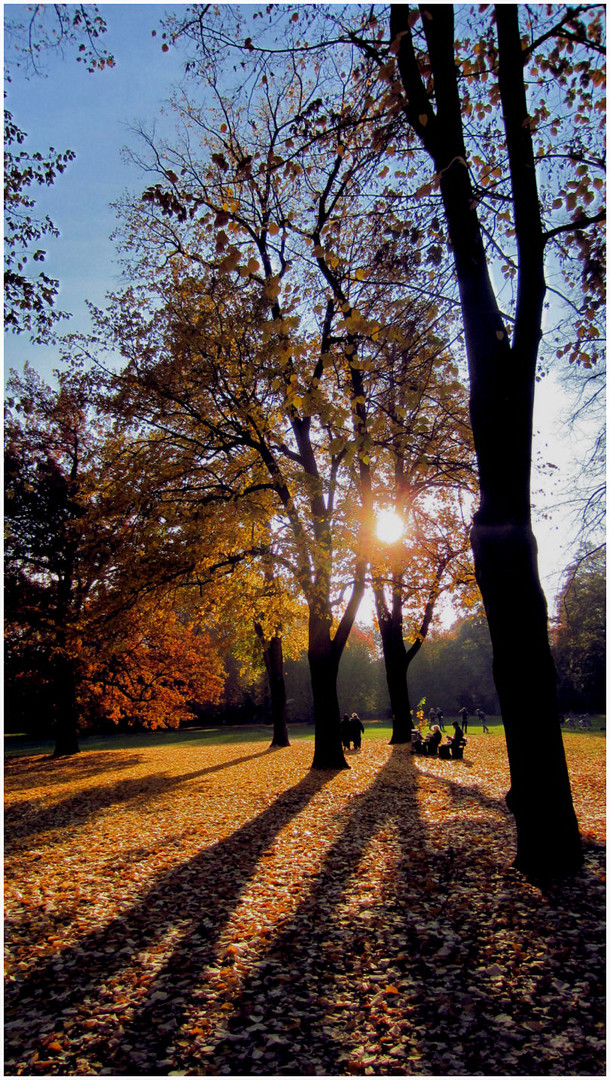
<point x="389" y="526"/>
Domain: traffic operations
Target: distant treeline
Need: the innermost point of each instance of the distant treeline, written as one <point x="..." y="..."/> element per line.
<point x="452" y="669"/>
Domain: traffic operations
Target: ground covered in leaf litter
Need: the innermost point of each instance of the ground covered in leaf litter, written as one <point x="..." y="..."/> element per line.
<point x="225" y="910"/>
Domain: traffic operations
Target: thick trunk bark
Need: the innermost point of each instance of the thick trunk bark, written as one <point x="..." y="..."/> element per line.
<point x="502" y="380"/>
<point x="548" y="841"/>
<point x="324" y="666"/>
<point x="66" y="723"/>
<point x="328" y="751"/>
<point x="396" y="665"/>
<point x="277" y="688"/>
<point x="398" y="689"/>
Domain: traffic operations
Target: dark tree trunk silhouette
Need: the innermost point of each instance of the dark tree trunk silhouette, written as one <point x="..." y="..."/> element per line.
<point x="397" y="657"/>
<point x="324" y="654"/>
<point x="502" y="382"/>
<point x="395" y="661"/>
<point x="273" y="654"/>
<point x="66" y="714"/>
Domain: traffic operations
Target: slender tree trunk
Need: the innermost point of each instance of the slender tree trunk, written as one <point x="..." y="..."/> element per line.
<point x="273" y="654"/>
<point x="395" y="662"/>
<point x="396" y="656"/>
<point x="278" y="693"/>
<point x="502" y="381"/>
<point x="65" y="674"/>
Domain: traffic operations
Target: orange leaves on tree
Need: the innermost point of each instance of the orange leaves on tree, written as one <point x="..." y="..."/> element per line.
<point x="152" y="668"/>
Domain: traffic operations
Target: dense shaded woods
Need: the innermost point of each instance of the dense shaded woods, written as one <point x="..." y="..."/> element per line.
<point x="336" y="276"/>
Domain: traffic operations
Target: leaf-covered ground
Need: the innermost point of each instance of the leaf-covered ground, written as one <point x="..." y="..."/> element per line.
<point x="223" y="910"/>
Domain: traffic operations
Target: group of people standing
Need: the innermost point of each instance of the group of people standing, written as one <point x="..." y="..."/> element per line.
<point x="435" y="716"/>
<point x="480" y="715"/>
<point x="352" y="729"/>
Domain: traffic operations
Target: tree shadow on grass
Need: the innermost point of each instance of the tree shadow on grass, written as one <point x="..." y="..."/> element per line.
<point x="27" y="819"/>
<point x="408" y="984"/>
<point x="195" y="899"/>
<point x="412" y="983"/>
<point x="20" y="774"/>
<point x="281" y="1014"/>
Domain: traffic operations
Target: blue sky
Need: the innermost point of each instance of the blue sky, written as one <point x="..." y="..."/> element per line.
<point x="92" y="114"/>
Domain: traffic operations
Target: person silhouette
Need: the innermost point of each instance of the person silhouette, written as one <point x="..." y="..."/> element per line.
<point x="356" y="728"/>
<point x="483" y="719"/>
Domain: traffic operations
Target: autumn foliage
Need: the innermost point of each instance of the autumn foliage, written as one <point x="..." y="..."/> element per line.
<point x="151" y="669"/>
<point x="204" y="909"/>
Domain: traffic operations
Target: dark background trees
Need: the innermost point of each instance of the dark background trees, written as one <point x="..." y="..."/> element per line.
<point x="51" y="558"/>
<point x="579" y="635"/>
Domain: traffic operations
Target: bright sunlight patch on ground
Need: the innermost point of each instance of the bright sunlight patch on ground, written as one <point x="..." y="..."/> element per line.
<point x="389" y="526"/>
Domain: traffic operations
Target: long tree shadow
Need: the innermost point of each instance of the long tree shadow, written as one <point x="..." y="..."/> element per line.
<point x="21" y="775"/>
<point x="396" y="974"/>
<point x="197" y="898"/>
<point x="25" y="820"/>
<point x="293" y="1004"/>
<point x="410" y="975"/>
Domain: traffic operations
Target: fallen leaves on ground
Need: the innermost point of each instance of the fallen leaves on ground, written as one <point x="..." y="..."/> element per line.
<point x="225" y="910"/>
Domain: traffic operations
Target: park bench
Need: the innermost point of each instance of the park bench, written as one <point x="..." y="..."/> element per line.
<point x="445" y="751"/>
<point x="448" y="750"/>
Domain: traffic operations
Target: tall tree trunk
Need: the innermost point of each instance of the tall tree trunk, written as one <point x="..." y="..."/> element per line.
<point x="540" y="798"/>
<point x="324" y="667"/>
<point x="395" y="661"/>
<point x="396" y="656"/>
<point x="502" y="381"/>
<point x="273" y="654"/>
<point x="277" y="687"/>
<point x="66" y="721"/>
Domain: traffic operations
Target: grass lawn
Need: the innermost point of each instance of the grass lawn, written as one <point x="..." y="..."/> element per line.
<point x="21" y="744"/>
<point x="203" y="905"/>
